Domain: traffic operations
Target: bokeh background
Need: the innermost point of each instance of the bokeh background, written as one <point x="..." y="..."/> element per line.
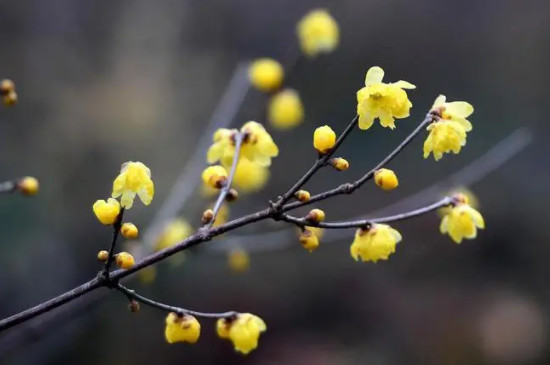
<point x="101" y="83"/>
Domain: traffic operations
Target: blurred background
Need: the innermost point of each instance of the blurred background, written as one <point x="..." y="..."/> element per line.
<point x="101" y="83"/>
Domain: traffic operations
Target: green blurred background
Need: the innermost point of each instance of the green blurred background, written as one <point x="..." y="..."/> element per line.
<point x="101" y="83"/>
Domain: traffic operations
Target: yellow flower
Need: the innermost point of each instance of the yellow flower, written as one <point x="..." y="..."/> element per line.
<point x="319" y="232"/>
<point x="318" y="32"/>
<point x="285" y="109"/>
<point x="174" y="232"/>
<point x="28" y="185"/>
<point x="106" y="211"/>
<point x="386" y="179"/>
<point x="309" y="239"/>
<point x="376" y="243"/>
<point x="380" y="100"/>
<point x="462" y="222"/>
<point x="181" y="328"/>
<point x="464" y="195"/>
<point x="124" y="260"/>
<point x="215" y="176"/>
<point x="244" y="331"/>
<point x="449" y="132"/>
<point x="249" y="176"/>
<point x="238" y="260"/>
<point x="324" y="139"/>
<point x="134" y="178"/>
<point x="257" y="146"/>
<point x="266" y="74"/>
<point x="129" y="230"/>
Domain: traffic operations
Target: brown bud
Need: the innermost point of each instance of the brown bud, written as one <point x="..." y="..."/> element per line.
<point x="232" y="195"/>
<point x="207" y="216"/>
<point x="102" y="255"/>
<point x="10" y="98"/>
<point x="339" y="163"/>
<point x="133" y="306"/>
<point x="6" y="86"/>
<point x="302" y="196"/>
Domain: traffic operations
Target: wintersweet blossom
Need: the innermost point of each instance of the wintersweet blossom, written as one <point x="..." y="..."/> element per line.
<point x="376" y="243"/>
<point x="324" y="139"/>
<point x="448" y="133"/>
<point x="462" y="222"/>
<point x="181" y="328"/>
<point x="244" y="331"/>
<point x="134" y="178"/>
<point x="266" y="74"/>
<point x="380" y="100"/>
<point x="285" y="109"/>
<point x="249" y="176"/>
<point x="318" y="32"/>
<point x="106" y="211"/>
<point x="386" y="179"/>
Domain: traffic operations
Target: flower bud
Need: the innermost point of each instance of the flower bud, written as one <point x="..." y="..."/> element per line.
<point x="102" y="255"/>
<point x="133" y="306"/>
<point x="124" y="260"/>
<point x="302" y="196"/>
<point x="316" y="215"/>
<point x="10" y="98"/>
<point x="324" y="139"/>
<point x="266" y="74"/>
<point x="6" y="86"/>
<point x="181" y="328"/>
<point x="232" y="195"/>
<point x="207" y="216"/>
<point x="386" y="179"/>
<point x="129" y="230"/>
<point x="28" y="185"/>
<point x="285" y="109"/>
<point x="339" y="163"/>
<point x="215" y="176"/>
<point x="309" y="240"/>
<point x="106" y="211"/>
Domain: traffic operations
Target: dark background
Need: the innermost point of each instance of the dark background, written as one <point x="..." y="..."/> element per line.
<point x="103" y="82"/>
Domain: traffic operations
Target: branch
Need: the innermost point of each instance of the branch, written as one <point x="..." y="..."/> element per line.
<point x="223" y="193"/>
<point x="7" y="187"/>
<point x="169" y="308"/>
<point x="302" y="222"/>
<point x="116" y="231"/>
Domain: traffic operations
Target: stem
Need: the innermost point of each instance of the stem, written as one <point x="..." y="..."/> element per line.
<point x="116" y="231"/>
<point x="223" y="193"/>
<point x="301" y="222"/>
<point x="169" y="308"/>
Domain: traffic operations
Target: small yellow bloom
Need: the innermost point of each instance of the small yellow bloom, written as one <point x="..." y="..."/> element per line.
<point x="380" y="100"/>
<point x="449" y="132"/>
<point x="134" y="178"/>
<point x="181" y="328"/>
<point x="318" y="32"/>
<point x="102" y="255"/>
<point x="309" y="240"/>
<point x="129" y="230"/>
<point x="462" y="222"/>
<point x="239" y="260"/>
<point x="316" y="215"/>
<point x="319" y="232"/>
<point x="244" y="331"/>
<point x="324" y="139"/>
<point x="28" y="185"/>
<point x="124" y="260"/>
<point x="386" y="179"/>
<point x="106" y="211"/>
<point x="285" y="109"/>
<point x="215" y="176"/>
<point x="174" y="232"/>
<point x="258" y="145"/>
<point x="463" y="195"/>
<point x="266" y="74"/>
<point x="223" y="148"/>
<point x="250" y="177"/>
<point x="376" y="243"/>
<point x="339" y="163"/>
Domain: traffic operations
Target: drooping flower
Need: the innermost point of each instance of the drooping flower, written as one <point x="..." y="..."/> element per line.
<point x="215" y="176"/>
<point x="380" y="100"/>
<point x="244" y="331"/>
<point x="174" y="232"/>
<point x="106" y="211"/>
<point x="376" y="243"/>
<point x="223" y="148"/>
<point x="309" y="240"/>
<point x="181" y="328"/>
<point x="134" y="178"/>
<point x="324" y="139"/>
<point x="285" y="109"/>
<point x="318" y="32"/>
<point x="462" y="222"/>
<point x="266" y="74"/>
<point x="448" y="133"/>
<point x="386" y="179"/>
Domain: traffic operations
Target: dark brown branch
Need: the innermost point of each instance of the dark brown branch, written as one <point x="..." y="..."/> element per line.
<point x="116" y="231"/>
<point x="169" y="308"/>
<point x="302" y="222"/>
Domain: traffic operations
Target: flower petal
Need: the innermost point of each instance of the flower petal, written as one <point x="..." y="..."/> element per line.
<point x="374" y="75"/>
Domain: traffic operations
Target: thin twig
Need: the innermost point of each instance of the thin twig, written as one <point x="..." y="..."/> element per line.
<point x="116" y="231"/>
<point x="302" y="222"/>
<point x="169" y="308"/>
<point x="7" y="187"/>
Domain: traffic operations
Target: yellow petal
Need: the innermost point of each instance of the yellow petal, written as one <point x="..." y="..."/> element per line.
<point x="374" y="75"/>
<point x="366" y="121"/>
<point x="439" y="101"/>
<point x="444" y="226"/>
<point x="404" y="84"/>
<point x="118" y="185"/>
<point x="460" y="109"/>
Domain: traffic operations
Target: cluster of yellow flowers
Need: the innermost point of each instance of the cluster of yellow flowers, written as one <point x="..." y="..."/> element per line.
<point x="243" y="330"/>
<point x="256" y="152"/>
<point x="134" y="179"/>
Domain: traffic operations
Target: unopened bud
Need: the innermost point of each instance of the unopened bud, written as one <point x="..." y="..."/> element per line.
<point x="6" y="86"/>
<point x="339" y="163"/>
<point x="28" y="185"/>
<point x="207" y="216"/>
<point x="102" y="255"/>
<point x="129" y="230"/>
<point x="133" y="306"/>
<point x="232" y="195"/>
<point x="124" y="260"/>
<point x="316" y="215"/>
<point x="302" y="196"/>
<point x="386" y="179"/>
